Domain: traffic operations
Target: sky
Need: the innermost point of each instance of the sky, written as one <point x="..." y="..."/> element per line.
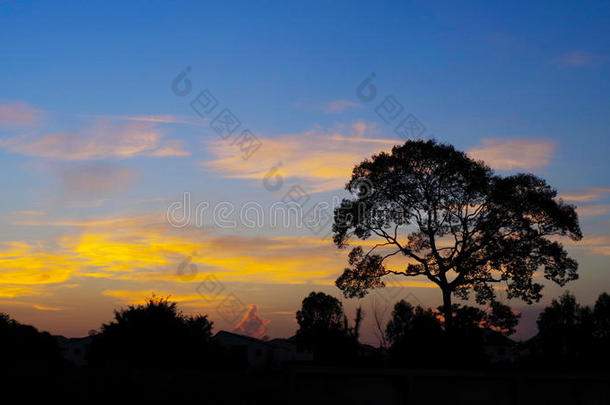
<point x="144" y="146"/>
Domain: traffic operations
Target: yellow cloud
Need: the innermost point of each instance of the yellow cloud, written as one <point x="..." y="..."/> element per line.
<point x="509" y="154"/>
<point x="140" y="249"/>
<point x="46" y="308"/>
<point x="26" y="264"/>
<point x="15" y="291"/>
<point x="321" y="160"/>
<point x="135" y="297"/>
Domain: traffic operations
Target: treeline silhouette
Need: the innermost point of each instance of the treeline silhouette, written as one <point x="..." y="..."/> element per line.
<point x="157" y="335"/>
<point x="155" y="352"/>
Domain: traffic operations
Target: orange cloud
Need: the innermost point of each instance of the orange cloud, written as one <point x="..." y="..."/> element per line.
<point x="586" y="195"/>
<point x="594" y="245"/>
<point x="135" y="297"/>
<point x="46" y="308"/>
<point x="509" y="154"/>
<point x="321" y="160"/>
<point x="593" y="210"/>
<point x="252" y="324"/>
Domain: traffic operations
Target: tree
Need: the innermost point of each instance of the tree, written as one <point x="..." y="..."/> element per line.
<point x="154" y="335"/>
<point x="566" y="331"/>
<point x="411" y="328"/>
<point x="454" y="222"/>
<point x="323" y="328"/>
<point x="601" y="314"/>
<point x="23" y="348"/>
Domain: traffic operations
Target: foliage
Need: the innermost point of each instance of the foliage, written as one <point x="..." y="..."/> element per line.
<point x="154" y="335"/>
<point x="324" y="329"/>
<point x="24" y="348"/>
<point x="454" y="222"/>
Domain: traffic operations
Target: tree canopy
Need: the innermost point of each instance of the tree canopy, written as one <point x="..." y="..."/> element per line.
<point x="153" y="335"/>
<point x="324" y="328"/>
<point x="455" y="222"/>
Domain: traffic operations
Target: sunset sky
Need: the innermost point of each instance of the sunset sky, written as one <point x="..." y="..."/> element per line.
<point x="100" y="137"/>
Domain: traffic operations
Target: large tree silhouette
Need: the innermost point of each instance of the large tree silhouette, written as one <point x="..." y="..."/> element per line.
<point x="455" y="222"/>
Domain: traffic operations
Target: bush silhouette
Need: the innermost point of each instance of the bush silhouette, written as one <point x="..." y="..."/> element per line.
<point x="324" y="329"/>
<point x="24" y="348"/>
<point x="154" y="335"/>
<point x="409" y="330"/>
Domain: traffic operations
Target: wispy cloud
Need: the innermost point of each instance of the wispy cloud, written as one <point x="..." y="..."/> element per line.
<point x="103" y="139"/>
<point x="594" y="245"/>
<point x="509" y="154"/>
<point x="12" y="291"/>
<point x="160" y="119"/>
<point x="586" y="195"/>
<point x="139" y="296"/>
<point x="47" y="308"/>
<point x="18" y="114"/>
<point x="339" y="106"/>
<point x="321" y="160"/>
<point x="92" y="180"/>
<point x="593" y="210"/>
<point x="147" y="249"/>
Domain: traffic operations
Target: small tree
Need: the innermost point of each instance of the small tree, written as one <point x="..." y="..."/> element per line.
<point x="566" y="332"/>
<point x="411" y="328"/>
<point x="454" y="222"/>
<point x="323" y="328"/>
<point x="601" y="314"/>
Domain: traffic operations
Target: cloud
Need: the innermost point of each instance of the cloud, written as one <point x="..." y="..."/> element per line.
<point x="171" y="147"/>
<point x="7" y="291"/>
<point x="46" y="308"/>
<point x="593" y="210"/>
<point x="252" y="324"/>
<point x="339" y="106"/>
<point x="595" y="245"/>
<point x="136" y="297"/>
<point x="321" y="160"/>
<point x="509" y="154"/>
<point x="105" y="138"/>
<point x="15" y="115"/>
<point x="586" y="195"/>
<point x="29" y="264"/>
<point x="93" y="180"/>
<point x="144" y="248"/>
<point x="161" y="119"/>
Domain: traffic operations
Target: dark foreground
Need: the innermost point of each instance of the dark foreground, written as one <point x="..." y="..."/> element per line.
<point x="310" y="385"/>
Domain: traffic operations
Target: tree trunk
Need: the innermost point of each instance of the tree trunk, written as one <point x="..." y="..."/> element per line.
<point x="447" y="309"/>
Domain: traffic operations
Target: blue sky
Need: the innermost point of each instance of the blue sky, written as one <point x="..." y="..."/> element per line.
<point x="523" y="85"/>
